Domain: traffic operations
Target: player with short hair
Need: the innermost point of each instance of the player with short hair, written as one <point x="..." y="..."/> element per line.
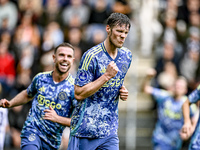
<point x="98" y="86"/>
<point x="167" y="133"/>
<point x="52" y="95"/>
<point x="187" y="128"/>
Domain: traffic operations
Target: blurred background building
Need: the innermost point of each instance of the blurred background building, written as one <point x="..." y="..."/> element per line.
<point x="165" y="35"/>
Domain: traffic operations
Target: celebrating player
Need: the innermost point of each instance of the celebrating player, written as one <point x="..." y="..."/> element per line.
<point x="98" y="86"/>
<point x="52" y="95"/>
<point x="167" y="134"/>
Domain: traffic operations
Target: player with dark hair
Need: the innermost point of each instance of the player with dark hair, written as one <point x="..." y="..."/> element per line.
<point x="52" y="95"/>
<point x="98" y="87"/>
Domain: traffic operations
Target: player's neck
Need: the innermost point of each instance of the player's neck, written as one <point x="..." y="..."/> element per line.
<point x="58" y="77"/>
<point x="111" y="49"/>
<point x="177" y="97"/>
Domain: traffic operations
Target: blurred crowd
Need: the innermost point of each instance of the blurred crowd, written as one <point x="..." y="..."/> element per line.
<point x="30" y="30"/>
<point x="170" y="30"/>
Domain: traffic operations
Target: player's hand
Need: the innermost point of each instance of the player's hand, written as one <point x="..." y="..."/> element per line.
<point x="111" y="70"/>
<point x="186" y="131"/>
<point x="151" y="73"/>
<point x="4" y="103"/>
<point x="123" y="93"/>
<point x="50" y="114"/>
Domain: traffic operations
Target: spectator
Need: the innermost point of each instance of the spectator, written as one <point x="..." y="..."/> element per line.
<point x="51" y="13"/>
<point x="189" y="64"/>
<point x="166" y="54"/>
<point x="28" y="31"/>
<point x="53" y="35"/>
<point x="76" y="14"/>
<point x="8" y="12"/>
<point x="7" y="70"/>
<point x="35" y="7"/>
<point x="99" y="12"/>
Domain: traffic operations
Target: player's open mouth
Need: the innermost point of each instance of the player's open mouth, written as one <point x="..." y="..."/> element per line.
<point x="64" y="64"/>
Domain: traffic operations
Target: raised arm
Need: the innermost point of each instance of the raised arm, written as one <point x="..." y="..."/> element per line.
<point x="92" y="87"/>
<point x="19" y="99"/>
<point x="146" y="87"/>
<point x="50" y="114"/>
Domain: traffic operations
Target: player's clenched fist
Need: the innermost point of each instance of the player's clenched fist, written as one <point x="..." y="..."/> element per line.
<point x="123" y="93"/>
<point x="4" y="103"/>
<point x="111" y="70"/>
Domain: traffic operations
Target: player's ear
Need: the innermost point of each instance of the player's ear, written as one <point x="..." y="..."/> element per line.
<point x="108" y="29"/>
<point x="54" y="58"/>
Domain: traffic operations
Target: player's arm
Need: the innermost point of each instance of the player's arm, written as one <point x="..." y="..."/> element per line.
<point x="19" y="99"/>
<point x="187" y="126"/>
<point x="146" y="83"/>
<point x="92" y="87"/>
<point x="50" y="114"/>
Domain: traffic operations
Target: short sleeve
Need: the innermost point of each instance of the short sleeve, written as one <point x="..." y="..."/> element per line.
<point x="85" y="73"/>
<point x="32" y="88"/>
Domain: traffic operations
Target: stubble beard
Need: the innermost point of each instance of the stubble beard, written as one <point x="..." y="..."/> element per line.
<point x="61" y="72"/>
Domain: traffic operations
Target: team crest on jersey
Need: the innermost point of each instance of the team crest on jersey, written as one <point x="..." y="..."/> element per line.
<point x="62" y="95"/>
<point x="124" y="68"/>
<point x="83" y="76"/>
<point x="31" y="137"/>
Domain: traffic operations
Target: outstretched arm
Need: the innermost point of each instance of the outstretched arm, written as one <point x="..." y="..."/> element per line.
<point x="187" y="126"/>
<point x="146" y="83"/>
<point x="19" y="99"/>
<point x="50" y="114"/>
<point x="92" y="87"/>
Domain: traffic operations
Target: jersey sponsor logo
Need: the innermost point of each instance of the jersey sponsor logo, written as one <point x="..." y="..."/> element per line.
<point x="114" y="82"/>
<point x="62" y="95"/>
<point x="172" y="115"/>
<point x="31" y="137"/>
<point x="45" y="102"/>
<point x="83" y="76"/>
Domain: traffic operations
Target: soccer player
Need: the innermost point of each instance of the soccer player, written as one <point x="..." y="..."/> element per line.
<point x="98" y="87"/>
<point x="52" y="95"/>
<point x="187" y="127"/>
<point x="167" y="133"/>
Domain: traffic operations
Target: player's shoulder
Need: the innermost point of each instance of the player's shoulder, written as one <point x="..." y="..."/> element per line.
<point x="71" y="79"/>
<point x="125" y="51"/>
<point x="43" y="74"/>
<point x="94" y="50"/>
